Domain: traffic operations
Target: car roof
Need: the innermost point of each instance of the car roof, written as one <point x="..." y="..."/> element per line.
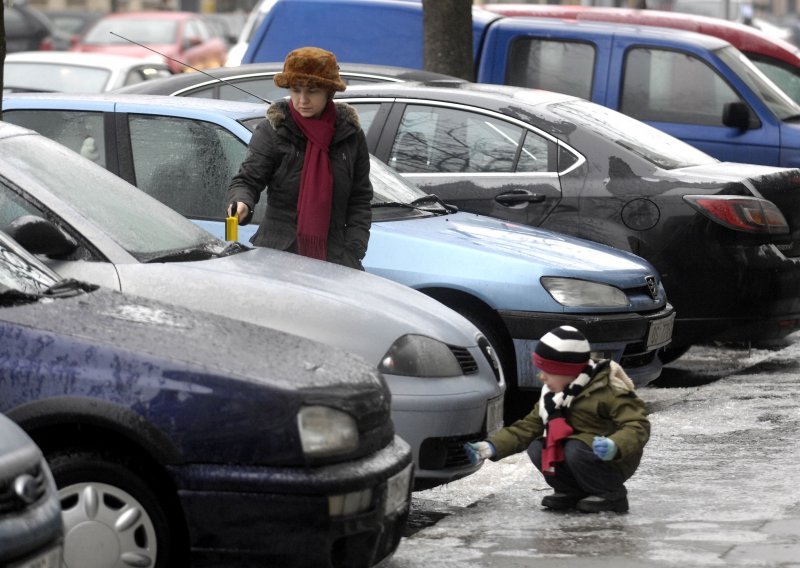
<point x="168" y="85"/>
<point x="612" y="29"/>
<point x="745" y="38"/>
<point x="232" y="109"/>
<point x="151" y="15"/>
<point x="81" y="58"/>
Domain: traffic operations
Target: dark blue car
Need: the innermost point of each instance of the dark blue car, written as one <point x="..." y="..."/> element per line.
<point x="175" y="436"/>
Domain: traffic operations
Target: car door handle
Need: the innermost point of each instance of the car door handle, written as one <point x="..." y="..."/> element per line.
<point x="515" y="198"/>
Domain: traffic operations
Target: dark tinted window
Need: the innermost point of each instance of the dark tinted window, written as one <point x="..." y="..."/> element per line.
<point x="561" y="66"/>
<point x="651" y="91"/>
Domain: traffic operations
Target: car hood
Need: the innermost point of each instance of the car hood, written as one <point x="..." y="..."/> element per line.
<point x="135" y="333"/>
<point x="131" y="50"/>
<point x="779" y="185"/>
<point x="488" y="254"/>
<point x="315" y="299"/>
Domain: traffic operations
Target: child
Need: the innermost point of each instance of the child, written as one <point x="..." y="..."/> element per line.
<point x="587" y="432"/>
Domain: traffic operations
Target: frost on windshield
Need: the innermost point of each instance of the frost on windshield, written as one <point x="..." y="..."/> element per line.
<point x="17" y="273"/>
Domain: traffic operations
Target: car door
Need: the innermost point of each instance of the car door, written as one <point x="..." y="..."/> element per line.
<point x="690" y="109"/>
<point x="475" y="159"/>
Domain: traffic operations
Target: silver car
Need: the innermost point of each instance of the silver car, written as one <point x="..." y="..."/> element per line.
<point x="88" y="224"/>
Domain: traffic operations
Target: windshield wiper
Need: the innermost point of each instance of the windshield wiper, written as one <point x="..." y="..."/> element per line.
<point x="182" y="255"/>
<point x="432" y="198"/>
<point x="68" y="288"/>
<point x="13" y="297"/>
<point x="233" y="248"/>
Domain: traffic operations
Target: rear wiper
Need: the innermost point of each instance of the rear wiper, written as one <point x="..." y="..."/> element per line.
<point x="432" y="198"/>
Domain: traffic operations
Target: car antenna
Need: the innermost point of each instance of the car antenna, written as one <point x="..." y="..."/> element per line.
<point x="193" y="68"/>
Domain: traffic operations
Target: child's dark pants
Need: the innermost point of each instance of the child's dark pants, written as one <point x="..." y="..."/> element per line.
<point x="581" y="472"/>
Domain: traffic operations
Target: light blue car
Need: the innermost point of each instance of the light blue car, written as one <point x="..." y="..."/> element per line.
<point x="513" y="282"/>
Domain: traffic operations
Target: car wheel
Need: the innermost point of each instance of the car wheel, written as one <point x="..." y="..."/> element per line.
<point x="517" y="403"/>
<point x="113" y="513"/>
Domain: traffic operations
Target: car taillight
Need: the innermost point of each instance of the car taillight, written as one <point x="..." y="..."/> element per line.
<point x="46" y="44"/>
<point x="746" y="214"/>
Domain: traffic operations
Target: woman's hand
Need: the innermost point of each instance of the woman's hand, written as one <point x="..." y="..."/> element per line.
<point x="242" y="211"/>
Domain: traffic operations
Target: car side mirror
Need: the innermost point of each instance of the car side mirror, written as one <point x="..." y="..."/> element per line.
<point x="736" y="115"/>
<point x="40" y="236"/>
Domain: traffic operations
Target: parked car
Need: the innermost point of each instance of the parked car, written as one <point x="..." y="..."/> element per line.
<point x="181" y="37"/>
<point x="776" y="58"/>
<point x="254" y="82"/>
<point x="72" y="72"/>
<point x="27" y="28"/>
<point x="446" y="383"/>
<point x="31" y="527"/>
<point x="177" y="435"/>
<point x="569" y="165"/>
<point x="514" y="283"/>
<point x="75" y="23"/>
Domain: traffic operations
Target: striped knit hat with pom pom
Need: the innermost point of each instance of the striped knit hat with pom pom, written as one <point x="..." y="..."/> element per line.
<point x="562" y="351"/>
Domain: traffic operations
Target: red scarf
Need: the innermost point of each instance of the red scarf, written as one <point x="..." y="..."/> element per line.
<point x="316" y="183"/>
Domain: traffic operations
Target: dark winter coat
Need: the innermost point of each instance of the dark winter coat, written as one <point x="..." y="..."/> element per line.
<point x="274" y="161"/>
<point x="607" y="406"/>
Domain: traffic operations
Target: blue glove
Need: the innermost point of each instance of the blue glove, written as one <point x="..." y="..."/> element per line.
<point x="604" y="448"/>
<point x="479" y="451"/>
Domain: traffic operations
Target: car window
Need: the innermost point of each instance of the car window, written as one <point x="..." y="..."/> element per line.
<point x="366" y="114"/>
<point x="147" y="31"/>
<point x="650" y="91"/>
<point x="80" y="131"/>
<point x="186" y="164"/>
<point x="145" y="73"/>
<point x="15" y="22"/>
<point x="439" y="139"/>
<point x="788" y="79"/>
<point x="561" y="66"/>
<point x="655" y="146"/>
<point x="140" y="225"/>
<point x="195" y="31"/>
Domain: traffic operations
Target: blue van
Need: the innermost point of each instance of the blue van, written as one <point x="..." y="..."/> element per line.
<point x="695" y="87"/>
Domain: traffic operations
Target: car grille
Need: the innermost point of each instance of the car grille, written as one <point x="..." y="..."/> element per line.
<point x="10" y="501"/>
<point x="444" y="453"/>
<point x="465" y="360"/>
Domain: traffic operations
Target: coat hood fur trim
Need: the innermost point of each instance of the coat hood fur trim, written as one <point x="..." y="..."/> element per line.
<point x="279" y="110"/>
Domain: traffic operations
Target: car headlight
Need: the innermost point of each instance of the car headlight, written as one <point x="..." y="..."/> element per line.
<point x="326" y="431"/>
<point x="420" y="356"/>
<point x="584" y="294"/>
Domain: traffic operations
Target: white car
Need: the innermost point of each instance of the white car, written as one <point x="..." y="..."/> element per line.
<point x="73" y="72"/>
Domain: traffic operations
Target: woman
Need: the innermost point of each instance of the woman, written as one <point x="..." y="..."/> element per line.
<point x="311" y="156"/>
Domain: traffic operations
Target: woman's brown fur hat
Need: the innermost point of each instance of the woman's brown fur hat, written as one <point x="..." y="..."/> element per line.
<point x="310" y="67"/>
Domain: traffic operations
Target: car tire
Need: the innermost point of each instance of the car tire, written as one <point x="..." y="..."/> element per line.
<point x="114" y="514"/>
<point x="516" y="403"/>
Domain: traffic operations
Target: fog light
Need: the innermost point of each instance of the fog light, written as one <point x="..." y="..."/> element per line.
<point x="349" y="503"/>
<point x="397" y="491"/>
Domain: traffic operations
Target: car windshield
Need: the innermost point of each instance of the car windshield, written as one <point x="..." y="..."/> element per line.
<point x="20" y="272"/>
<point x="655" y="146"/>
<point x="138" y="223"/>
<point x="390" y="189"/>
<point x="21" y="76"/>
<point x="778" y="102"/>
<point x="148" y="31"/>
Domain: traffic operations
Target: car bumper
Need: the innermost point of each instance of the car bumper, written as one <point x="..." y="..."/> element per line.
<point x="625" y="338"/>
<point x="284" y="516"/>
<point x="436" y="424"/>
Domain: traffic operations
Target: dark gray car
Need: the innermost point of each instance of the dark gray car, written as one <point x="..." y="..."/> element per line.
<point x="31" y="528"/>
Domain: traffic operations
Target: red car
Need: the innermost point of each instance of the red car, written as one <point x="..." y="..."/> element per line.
<point x="182" y="37"/>
<point x="777" y="59"/>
